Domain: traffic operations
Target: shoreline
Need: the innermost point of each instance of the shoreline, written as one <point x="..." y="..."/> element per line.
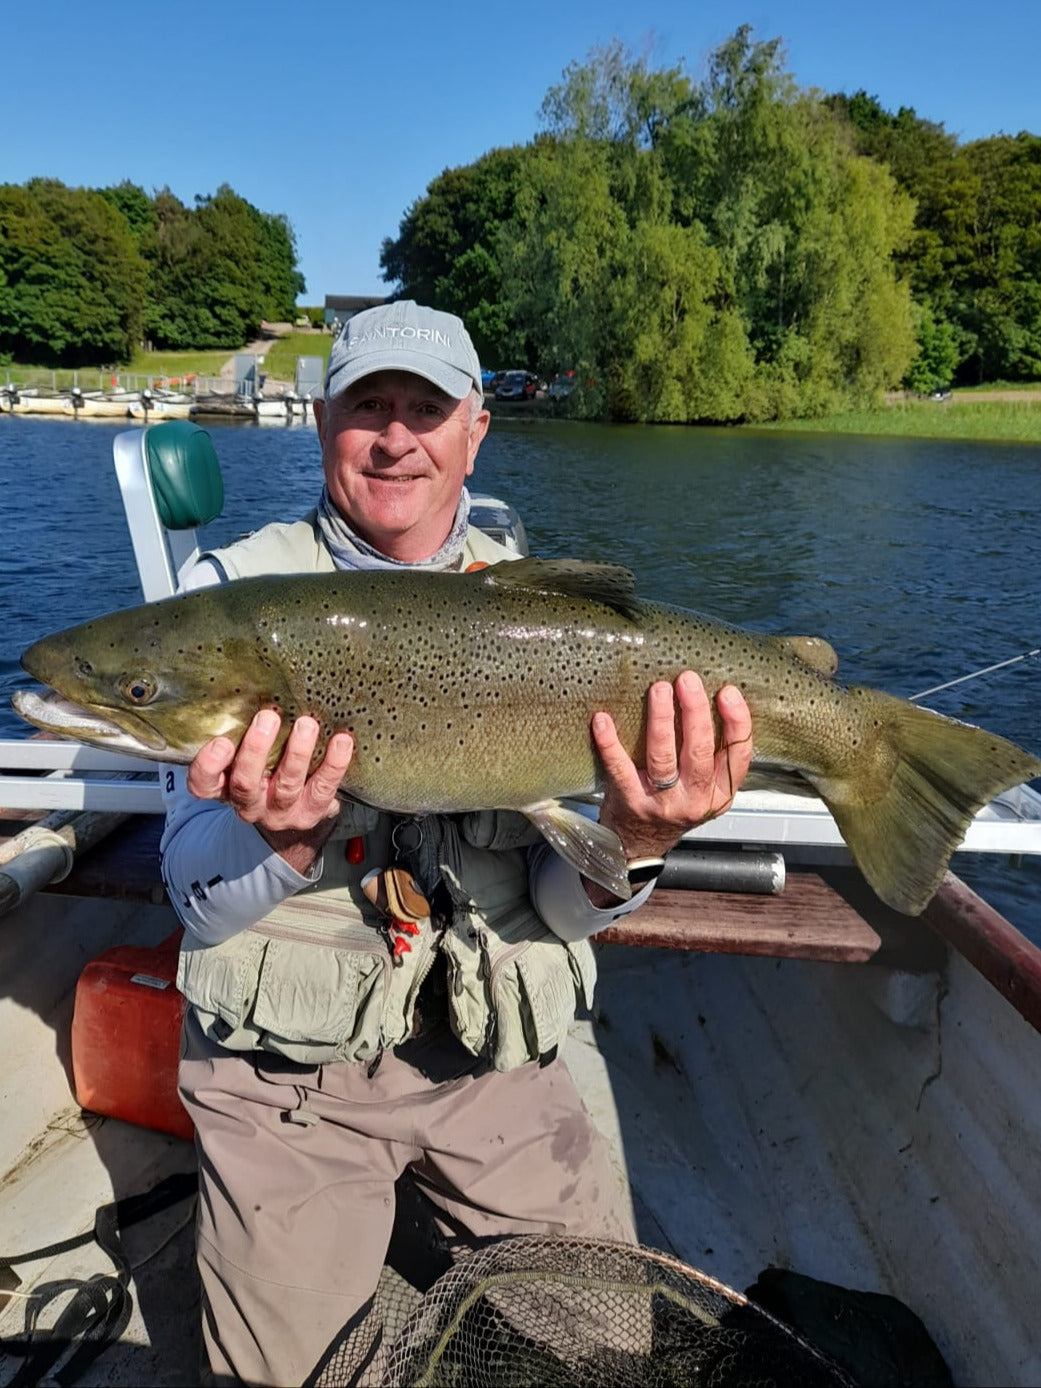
<point x="984" y="415"/>
<point x="987" y="416"/>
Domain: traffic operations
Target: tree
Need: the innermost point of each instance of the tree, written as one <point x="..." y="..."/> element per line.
<point x="177" y="316"/>
<point x="973" y="260"/>
<point x="72" y="280"/>
<point x="279" y="281"/>
<point x="1001" y="298"/>
<point x="723" y="249"/>
<point x="447" y="250"/>
<point x="622" y="297"/>
<point x="136" y="206"/>
<point x="217" y="271"/>
<point x="714" y="251"/>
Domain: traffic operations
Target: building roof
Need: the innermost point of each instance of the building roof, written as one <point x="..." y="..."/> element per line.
<point x="352" y="303"/>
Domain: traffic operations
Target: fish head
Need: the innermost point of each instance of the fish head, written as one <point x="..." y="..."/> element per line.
<point x="156" y="681"/>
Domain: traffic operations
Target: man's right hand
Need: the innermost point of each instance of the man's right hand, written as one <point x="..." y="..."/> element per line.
<point x="293" y="810"/>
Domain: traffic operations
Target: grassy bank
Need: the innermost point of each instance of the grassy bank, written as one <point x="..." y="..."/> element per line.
<point x="180" y="364"/>
<point x="145" y="367"/>
<point x="280" y="357"/>
<point x="961" y="417"/>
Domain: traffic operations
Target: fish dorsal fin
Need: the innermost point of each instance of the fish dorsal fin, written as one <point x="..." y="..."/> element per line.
<point x="610" y="584"/>
<point x="815" y="652"/>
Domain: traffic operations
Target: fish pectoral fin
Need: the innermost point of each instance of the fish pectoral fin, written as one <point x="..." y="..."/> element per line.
<point x="588" y="846"/>
<point x="815" y="652"/>
<point x="780" y="779"/>
<point x="610" y="584"/>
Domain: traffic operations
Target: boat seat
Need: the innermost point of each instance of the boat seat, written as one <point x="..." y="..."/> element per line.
<point x="170" y="481"/>
<point x="810" y="919"/>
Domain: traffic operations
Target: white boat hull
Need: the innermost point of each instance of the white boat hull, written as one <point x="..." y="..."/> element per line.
<point x="43" y="404"/>
<point x="158" y="410"/>
<point x="106" y="406"/>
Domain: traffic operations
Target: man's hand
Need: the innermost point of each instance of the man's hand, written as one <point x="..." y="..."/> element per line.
<point x="651" y="809"/>
<point x="295" y="812"/>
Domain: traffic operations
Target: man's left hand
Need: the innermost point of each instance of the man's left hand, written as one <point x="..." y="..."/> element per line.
<point x="651" y="808"/>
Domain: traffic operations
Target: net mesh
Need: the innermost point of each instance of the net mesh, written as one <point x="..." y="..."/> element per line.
<point x="563" y="1312"/>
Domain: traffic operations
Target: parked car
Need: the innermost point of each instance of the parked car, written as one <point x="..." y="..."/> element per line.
<point x="517" y="385"/>
<point x="489" y="379"/>
<point x="562" y="386"/>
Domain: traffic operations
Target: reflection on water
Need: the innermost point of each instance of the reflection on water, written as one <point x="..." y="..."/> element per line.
<point x="918" y="559"/>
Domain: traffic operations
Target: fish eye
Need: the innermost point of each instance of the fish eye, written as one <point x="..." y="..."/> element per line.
<point x="139" y="689"/>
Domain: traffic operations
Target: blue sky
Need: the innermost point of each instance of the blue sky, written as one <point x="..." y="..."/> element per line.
<point x="340" y="115"/>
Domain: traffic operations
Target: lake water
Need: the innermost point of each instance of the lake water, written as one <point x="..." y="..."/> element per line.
<point x="919" y="560"/>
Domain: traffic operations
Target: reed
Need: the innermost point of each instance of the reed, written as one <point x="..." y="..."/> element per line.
<point x="962" y="417"/>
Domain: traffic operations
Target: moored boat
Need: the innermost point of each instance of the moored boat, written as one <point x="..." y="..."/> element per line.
<point x="156" y="405"/>
<point x="100" y="405"/>
<point x="223" y="406"/>
<point x="798" y="1078"/>
<point x="33" y="401"/>
<point x="276" y="408"/>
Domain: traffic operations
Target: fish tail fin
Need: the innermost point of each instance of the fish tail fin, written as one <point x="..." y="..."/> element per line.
<point x="925" y="777"/>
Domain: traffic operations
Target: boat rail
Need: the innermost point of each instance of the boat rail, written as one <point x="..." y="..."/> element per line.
<point x="40" y="774"/>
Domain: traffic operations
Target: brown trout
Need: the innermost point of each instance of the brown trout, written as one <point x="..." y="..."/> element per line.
<point x="469" y="692"/>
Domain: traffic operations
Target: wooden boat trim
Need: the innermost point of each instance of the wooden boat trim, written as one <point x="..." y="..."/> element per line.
<point x="808" y="920"/>
<point x="991" y="944"/>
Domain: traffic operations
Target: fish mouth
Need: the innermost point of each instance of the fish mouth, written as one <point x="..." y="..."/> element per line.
<point x="86" y="723"/>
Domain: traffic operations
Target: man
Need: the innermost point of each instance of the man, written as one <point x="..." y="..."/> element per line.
<point x="323" y="1053"/>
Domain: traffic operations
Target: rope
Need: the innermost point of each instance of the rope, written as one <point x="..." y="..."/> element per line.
<point x="101" y="1306"/>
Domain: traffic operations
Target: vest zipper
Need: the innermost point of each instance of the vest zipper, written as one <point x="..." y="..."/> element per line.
<point x="490" y="971"/>
<point x="334" y="939"/>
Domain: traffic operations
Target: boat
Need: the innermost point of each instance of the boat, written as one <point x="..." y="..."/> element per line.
<point x="30" y="400"/>
<point x="158" y="404"/>
<point x="80" y="404"/>
<point x="223" y="406"/>
<point x="102" y="405"/>
<point x="276" y="409"/>
<point x="790" y="1074"/>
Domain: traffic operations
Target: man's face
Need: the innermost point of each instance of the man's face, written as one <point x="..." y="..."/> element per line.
<point x="396" y="451"/>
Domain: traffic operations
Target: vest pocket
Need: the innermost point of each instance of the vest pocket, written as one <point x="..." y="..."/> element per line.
<point x="533" y="993"/>
<point x="320" y="995"/>
<point x="221" y="979"/>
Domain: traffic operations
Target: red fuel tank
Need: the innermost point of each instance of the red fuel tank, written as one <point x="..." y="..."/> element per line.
<point x="126" y="1037"/>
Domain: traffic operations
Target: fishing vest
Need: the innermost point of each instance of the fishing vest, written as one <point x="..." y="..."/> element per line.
<point x="316" y="979"/>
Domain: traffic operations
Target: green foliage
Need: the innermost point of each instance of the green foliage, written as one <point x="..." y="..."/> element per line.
<point x="692" y="251"/>
<point x="934" y="366"/>
<point x="628" y="302"/>
<point x="136" y="206"/>
<point x="708" y="252"/>
<point x="85" y="273"/>
<point x="72" y="281"/>
<point x="446" y="252"/>
<point x="974" y="258"/>
<point x="1010" y="421"/>
<point x="217" y="271"/>
<point x="1002" y="297"/>
<point x="280" y="357"/>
